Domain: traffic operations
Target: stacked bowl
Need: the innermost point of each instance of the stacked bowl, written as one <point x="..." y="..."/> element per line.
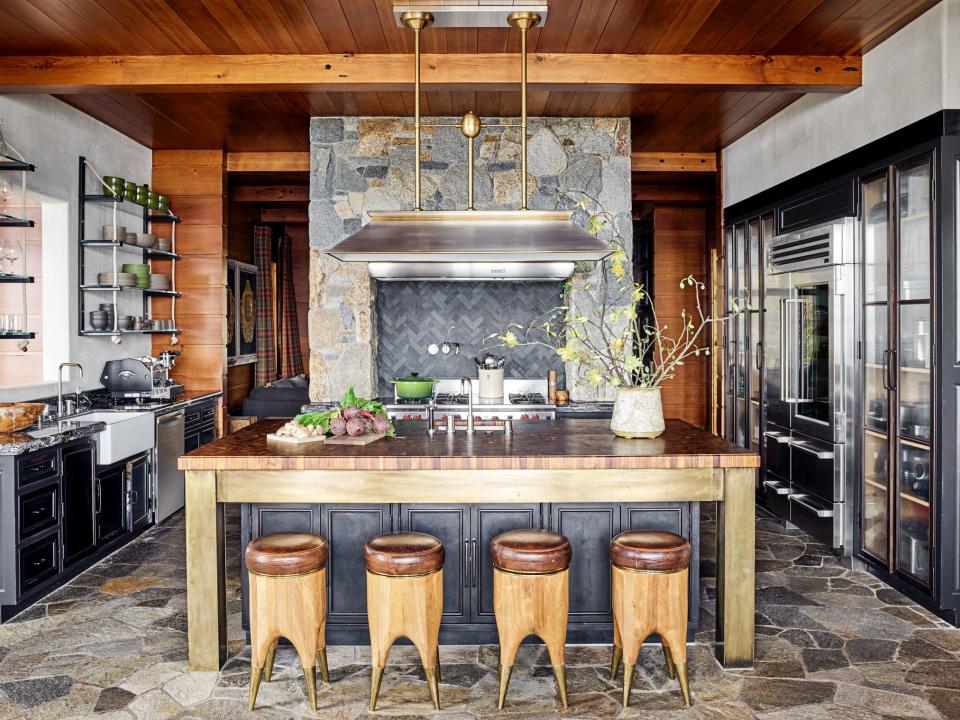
<point x="141" y="271"/>
<point x="114" y="233"/>
<point x="164" y="245"/>
<point x="99" y="320"/>
<point x="159" y="282"/>
<point x="120" y="279"/>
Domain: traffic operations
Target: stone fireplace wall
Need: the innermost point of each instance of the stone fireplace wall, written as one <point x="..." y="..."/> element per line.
<point x="364" y="164"/>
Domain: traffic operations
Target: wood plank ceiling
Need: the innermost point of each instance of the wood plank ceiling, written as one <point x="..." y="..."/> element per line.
<point x="663" y="119"/>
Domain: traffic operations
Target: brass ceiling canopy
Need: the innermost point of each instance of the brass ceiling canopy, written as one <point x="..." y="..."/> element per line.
<point x="471" y="244"/>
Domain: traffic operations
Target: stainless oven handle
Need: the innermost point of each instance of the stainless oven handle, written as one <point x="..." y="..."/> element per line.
<point x="819" y="454"/>
<point x="779" y="437"/>
<point x="818" y="511"/>
<point x="789" y="327"/>
<point x="777" y="487"/>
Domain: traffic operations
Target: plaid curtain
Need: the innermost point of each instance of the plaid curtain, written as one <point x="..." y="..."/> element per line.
<point x="266" y="342"/>
<point x="291" y="361"/>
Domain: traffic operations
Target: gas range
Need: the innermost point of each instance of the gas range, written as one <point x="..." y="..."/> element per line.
<point x="525" y="399"/>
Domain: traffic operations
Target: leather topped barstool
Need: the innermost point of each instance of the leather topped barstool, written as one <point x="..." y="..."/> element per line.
<point x="404" y="599"/>
<point x="288" y="598"/>
<point x="650" y="572"/>
<point x="531" y="596"/>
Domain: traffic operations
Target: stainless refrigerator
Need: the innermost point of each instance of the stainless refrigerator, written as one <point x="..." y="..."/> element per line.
<point x="810" y="315"/>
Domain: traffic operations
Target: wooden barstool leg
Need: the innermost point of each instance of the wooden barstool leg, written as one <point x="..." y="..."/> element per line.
<point x="632" y="617"/>
<point x="668" y="659"/>
<point x="531" y="604"/>
<point x="405" y="606"/>
<point x="672" y="626"/>
<point x="617" y="651"/>
<point x="268" y="665"/>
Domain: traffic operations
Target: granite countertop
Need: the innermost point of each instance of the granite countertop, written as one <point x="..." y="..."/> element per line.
<point x="56" y="433"/>
<point x="571" y="444"/>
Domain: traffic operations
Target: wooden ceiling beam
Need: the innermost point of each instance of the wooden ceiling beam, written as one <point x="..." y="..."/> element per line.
<point x="705" y="162"/>
<point x="288" y="215"/>
<point x="270" y="193"/>
<point x="356" y="73"/>
<point x="268" y="161"/>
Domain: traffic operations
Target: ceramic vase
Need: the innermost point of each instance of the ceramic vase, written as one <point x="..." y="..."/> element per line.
<point x="637" y="413"/>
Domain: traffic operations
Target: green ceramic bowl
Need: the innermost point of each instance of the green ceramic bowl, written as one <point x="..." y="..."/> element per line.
<point x="129" y="190"/>
<point x="143" y="192"/>
<point x="163" y="203"/>
<point x="153" y="200"/>
<point x="114" y="185"/>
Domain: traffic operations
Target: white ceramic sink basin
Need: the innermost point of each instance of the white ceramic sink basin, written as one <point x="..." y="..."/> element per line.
<point x="126" y="434"/>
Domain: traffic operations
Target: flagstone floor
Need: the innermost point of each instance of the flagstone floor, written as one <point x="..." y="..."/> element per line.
<point x="833" y="644"/>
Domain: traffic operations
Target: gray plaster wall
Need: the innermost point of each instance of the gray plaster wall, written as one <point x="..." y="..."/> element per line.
<point x="53" y="135"/>
<point x="361" y="335"/>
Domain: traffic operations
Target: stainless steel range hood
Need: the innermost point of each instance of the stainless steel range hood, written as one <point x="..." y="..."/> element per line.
<point x="471" y="245"/>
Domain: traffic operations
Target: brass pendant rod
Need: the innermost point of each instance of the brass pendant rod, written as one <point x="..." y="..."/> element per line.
<point x="416" y="122"/>
<point x="523" y="117"/>
<point x="470" y="173"/>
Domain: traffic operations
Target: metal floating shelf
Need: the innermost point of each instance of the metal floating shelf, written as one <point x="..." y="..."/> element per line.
<point x="5" y="278"/>
<point x="175" y="331"/>
<point x="151" y="254"/>
<point x="11" y="221"/>
<point x="9" y="163"/>
<point x="125" y="288"/>
<point x="161" y="293"/>
<point x="107" y="198"/>
<point x="17" y="336"/>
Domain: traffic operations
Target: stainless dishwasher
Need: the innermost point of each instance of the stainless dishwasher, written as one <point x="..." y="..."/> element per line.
<point x="169" y="477"/>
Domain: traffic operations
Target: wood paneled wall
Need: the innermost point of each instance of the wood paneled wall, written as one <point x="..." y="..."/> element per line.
<point x="195" y="181"/>
<point x="680" y="249"/>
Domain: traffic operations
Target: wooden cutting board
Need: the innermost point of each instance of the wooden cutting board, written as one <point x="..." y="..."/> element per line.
<point x="362" y="440"/>
<point x="288" y="440"/>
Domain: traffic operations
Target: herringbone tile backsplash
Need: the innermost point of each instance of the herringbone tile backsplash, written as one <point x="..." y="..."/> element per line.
<point x="411" y="315"/>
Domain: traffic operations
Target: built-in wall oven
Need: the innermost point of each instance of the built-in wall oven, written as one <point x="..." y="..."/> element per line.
<point x="810" y="311"/>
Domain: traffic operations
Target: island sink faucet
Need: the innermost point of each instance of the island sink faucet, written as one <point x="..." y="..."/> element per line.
<point x="469" y="392"/>
<point x="79" y="367"/>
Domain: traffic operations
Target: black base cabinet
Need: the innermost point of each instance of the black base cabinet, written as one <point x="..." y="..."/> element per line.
<point x="466" y="532"/>
<point x="60" y="513"/>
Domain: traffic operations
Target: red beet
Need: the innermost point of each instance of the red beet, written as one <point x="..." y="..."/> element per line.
<point x="350" y="412"/>
<point x="380" y="424"/>
<point x="355" y="427"/>
<point x="338" y="426"/>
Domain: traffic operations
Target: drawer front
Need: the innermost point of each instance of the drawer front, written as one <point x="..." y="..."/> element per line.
<point x="776" y="444"/>
<point x="816" y="517"/>
<point x="209" y="413"/>
<point x="774" y="494"/>
<point x="36" y="467"/>
<point x="38" y="562"/>
<point x="38" y="510"/>
<point x="816" y="467"/>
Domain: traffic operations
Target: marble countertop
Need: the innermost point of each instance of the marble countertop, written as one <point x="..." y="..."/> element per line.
<point x="56" y="433"/>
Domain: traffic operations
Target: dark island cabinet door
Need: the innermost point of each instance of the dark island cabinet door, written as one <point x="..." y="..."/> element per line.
<point x="347" y="528"/>
<point x="451" y="525"/>
<point x="488" y="521"/>
<point x="590" y="527"/>
<point x="78" y="490"/>
<point x="139" y="500"/>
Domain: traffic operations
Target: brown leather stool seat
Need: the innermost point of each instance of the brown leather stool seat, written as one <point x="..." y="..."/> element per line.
<point x="650" y="550"/>
<point x="530" y="551"/>
<point x="286" y="554"/>
<point x="403" y="553"/>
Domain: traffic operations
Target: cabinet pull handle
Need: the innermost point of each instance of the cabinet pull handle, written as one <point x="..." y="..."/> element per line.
<point x="467" y="563"/>
<point x="892" y="371"/>
<point x="885" y="369"/>
<point x="99" y="497"/>
<point x="476" y="563"/>
<point x="758" y="361"/>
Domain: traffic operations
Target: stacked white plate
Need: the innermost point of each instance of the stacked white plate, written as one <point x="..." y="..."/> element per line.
<point x="159" y="281"/>
<point x="120" y="279"/>
<point x="114" y="232"/>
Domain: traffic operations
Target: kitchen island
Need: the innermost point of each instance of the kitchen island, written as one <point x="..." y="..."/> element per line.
<point x="558" y="461"/>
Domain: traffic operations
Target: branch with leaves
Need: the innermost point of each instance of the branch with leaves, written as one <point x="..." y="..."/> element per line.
<point x="599" y="325"/>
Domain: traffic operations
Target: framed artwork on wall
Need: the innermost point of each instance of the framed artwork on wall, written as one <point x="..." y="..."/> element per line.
<point x="241" y="313"/>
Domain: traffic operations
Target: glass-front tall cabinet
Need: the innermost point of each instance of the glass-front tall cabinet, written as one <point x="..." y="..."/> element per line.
<point x="744" y="246"/>
<point x="896" y="526"/>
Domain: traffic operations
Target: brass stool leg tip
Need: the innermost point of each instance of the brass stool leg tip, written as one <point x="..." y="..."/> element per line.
<point x="627" y="682"/>
<point x="671" y="666"/>
<point x="268" y="665"/>
<point x="310" y="680"/>
<point x="433" y="681"/>
<point x="684" y="683"/>
<point x="615" y="662"/>
<point x="505" y="672"/>
<point x="375" y="679"/>
<point x="256" y="674"/>
<point x="324" y="668"/>
<point x="560" y="673"/>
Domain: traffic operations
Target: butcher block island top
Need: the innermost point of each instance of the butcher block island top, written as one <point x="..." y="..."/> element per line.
<point x="569" y="444"/>
<point x="548" y="461"/>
